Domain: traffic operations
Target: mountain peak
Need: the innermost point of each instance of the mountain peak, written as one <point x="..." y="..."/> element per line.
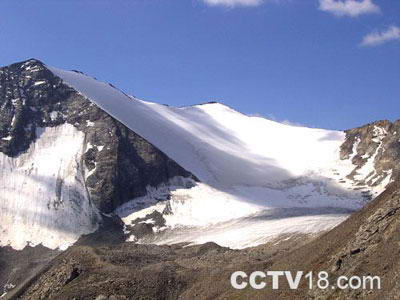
<point x="207" y="103"/>
<point x="25" y="63"/>
<point x="33" y="61"/>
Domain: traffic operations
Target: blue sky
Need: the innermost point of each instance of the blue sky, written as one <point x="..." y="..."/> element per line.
<point x="321" y="63"/>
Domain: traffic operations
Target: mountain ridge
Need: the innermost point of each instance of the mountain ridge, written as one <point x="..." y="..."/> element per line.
<point x="35" y="60"/>
<point x="81" y="159"/>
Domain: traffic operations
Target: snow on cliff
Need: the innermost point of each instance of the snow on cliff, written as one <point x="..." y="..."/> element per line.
<point x="43" y="199"/>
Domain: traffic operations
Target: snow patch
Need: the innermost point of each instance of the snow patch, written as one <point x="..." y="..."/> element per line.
<point x="39" y="83"/>
<point x="54" y="115"/>
<point x="379" y="134"/>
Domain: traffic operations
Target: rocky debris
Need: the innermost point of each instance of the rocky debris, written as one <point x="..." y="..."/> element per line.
<point x="133" y="271"/>
<point x="145" y="226"/>
<point x="110" y="232"/>
<point x="19" y="268"/>
<point x="119" y="164"/>
<point x="371" y="249"/>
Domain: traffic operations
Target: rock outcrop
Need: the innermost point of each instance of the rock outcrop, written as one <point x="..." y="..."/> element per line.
<point x="375" y="151"/>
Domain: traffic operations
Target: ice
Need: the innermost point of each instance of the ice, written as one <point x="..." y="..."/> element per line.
<point x="43" y="199"/>
<point x="254" y="230"/>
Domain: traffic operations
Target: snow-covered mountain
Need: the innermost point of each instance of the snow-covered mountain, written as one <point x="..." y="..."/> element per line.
<point x="64" y="162"/>
<point x="74" y="148"/>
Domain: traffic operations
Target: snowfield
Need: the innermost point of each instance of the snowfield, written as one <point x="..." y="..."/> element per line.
<point x="249" y="168"/>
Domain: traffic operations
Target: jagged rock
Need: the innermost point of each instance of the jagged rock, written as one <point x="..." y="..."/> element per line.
<point x="379" y="143"/>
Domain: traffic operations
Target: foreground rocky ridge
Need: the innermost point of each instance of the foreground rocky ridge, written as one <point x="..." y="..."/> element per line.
<point x="132" y="271"/>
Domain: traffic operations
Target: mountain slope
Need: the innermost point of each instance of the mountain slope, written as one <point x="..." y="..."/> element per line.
<point x="208" y="138"/>
<point x="251" y="170"/>
<point x="64" y="161"/>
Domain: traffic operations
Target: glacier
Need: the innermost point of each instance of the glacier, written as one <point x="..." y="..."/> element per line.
<point x="44" y="199"/>
<point x="250" y="168"/>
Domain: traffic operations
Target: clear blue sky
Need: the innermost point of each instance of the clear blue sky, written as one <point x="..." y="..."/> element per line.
<point x="283" y="59"/>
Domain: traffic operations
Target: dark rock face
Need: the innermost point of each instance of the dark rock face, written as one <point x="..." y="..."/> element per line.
<point x="119" y="163"/>
<point x="24" y="88"/>
<point x="378" y="142"/>
<point x="145" y="226"/>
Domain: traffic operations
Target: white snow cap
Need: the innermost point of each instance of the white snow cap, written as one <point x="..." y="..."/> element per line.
<point x="222" y="147"/>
